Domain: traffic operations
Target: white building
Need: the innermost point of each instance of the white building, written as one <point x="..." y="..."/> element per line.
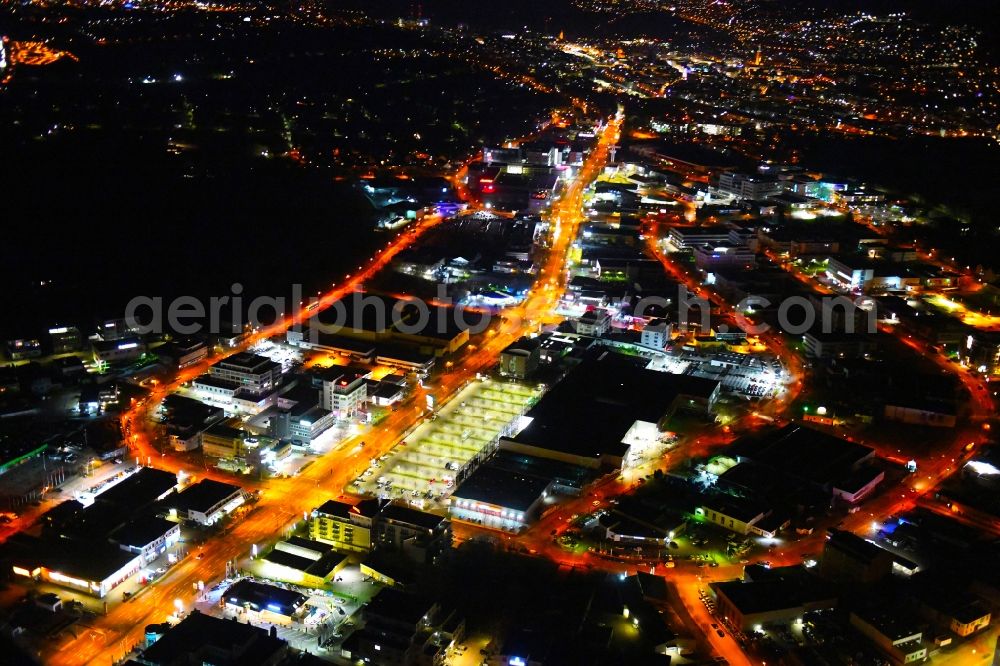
<point x="656" y="334"/>
<point x="594" y="323"/>
<point x="747" y="186"/>
<point x="149" y="538"/>
<point x="344" y="393"/>
<point x="251" y="372"/>
<point x="205" y="502"/>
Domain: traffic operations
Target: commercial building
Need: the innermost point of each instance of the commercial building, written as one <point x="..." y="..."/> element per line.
<point x="383" y="320"/>
<point x="656" y="334"/>
<point x="116" y="329"/>
<point x="981" y="351"/>
<point x="373" y="524"/>
<point x="303" y="562"/>
<point x="302" y="424"/>
<point x="838" y="345"/>
<point x="205" y="502"/>
<point x="605" y="410"/>
<point x="203" y="639"/>
<point x="897" y="638"/>
<point x="797" y="452"/>
<point x="594" y="323"/>
<point x="858" y="485"/>
<point x="385" y="393"/>
<point x="147" y="536"/>
<point x="921" y="410"/>
<point x="313" y="338"/>
<point x="963" y="613"/>
<point x="223" y="441"/>
<point x="746" y="606"/>
<point x="184" y="419"/>
<point x="748" y="186"/>
<point x="90" y="567"/>
<point x="499" y="498"/>
<point x="687" y="238"/>
<point x="259" y="602"/>
<point x="848" y="558"/>
<point x="365" y="350"/>
<point x="711" y="256"/>
<point x="140" y="490"/>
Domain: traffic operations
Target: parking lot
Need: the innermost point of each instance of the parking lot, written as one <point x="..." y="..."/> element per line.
<point x="423" y="467"/>
<point x="749" y="375"/>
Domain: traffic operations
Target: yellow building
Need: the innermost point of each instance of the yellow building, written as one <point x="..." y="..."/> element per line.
<point x="302" y="562"/>
<point x="222" y="441"/>
<point x="344" y="526"/>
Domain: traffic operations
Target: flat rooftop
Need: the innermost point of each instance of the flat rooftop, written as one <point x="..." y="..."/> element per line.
<point x="404" y="514"/>
<point x="400" y="606"/>
<point x="804" y="453"/>
<point x="247" y="362"/>
<point x="590" y="411"/>
<point x="501" y="487"/>
<point x="93" y="561"/>
<point x="142" y="531"/>
<point x="764" y="596"/>
<point x="142" y="488"/>
<point x="203" y="495"/>
<point x="262" y="595"/>
<point x="854" y="546"/>
<point x="199" y="633"/>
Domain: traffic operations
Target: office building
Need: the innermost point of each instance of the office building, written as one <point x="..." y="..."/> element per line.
<point x="712" y="256"/>
<point x="594" y="323"/>
<point x="64" y="339"/>
<point x="520" y="358"/>
<point x="749" y="605"/>
<point x="399" y="628"/>
<point x="656" y="334"/>
<point x="303" y="562"/>
<point x="251" y="372"/>
<point x="347" y="527"/>
<point x="183" y="352"/>
<point x="344" y="392"/>
<point x="120" y="350"/>
<point x="748" y="186"/>
<point x="420" y="535"/>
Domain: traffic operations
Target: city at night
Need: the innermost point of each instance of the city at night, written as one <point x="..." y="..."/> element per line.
<point x="532" y="333"/>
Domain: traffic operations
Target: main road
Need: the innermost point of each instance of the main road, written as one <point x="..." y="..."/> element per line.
<point x="283" y="501"/>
